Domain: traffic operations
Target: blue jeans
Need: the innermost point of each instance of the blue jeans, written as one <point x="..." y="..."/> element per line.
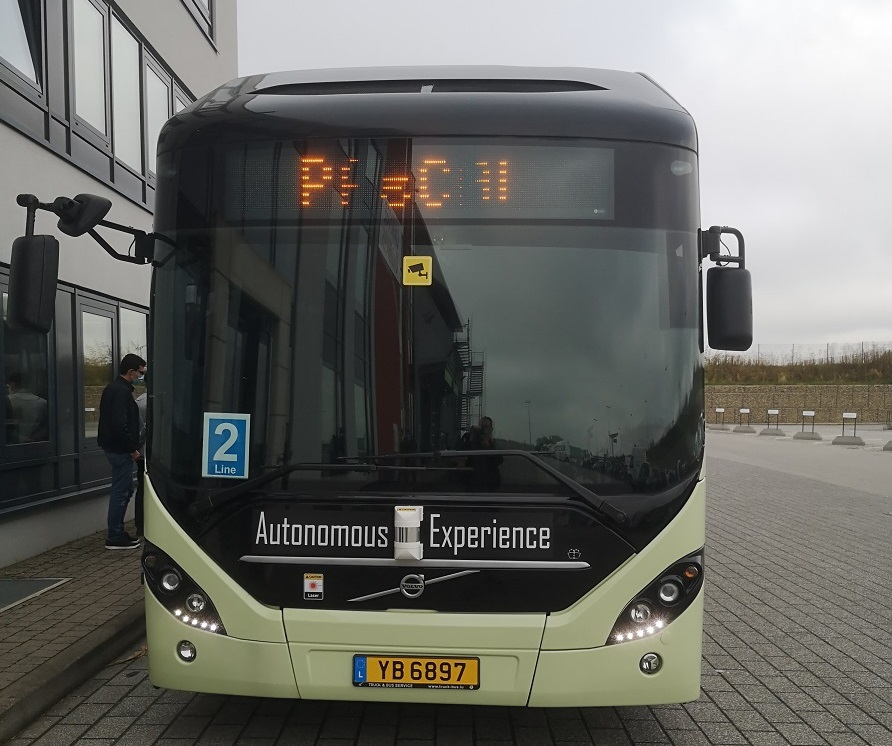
<point x="121" y="489"/>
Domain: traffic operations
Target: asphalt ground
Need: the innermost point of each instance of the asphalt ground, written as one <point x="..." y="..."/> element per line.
<point x="797" y="638"/>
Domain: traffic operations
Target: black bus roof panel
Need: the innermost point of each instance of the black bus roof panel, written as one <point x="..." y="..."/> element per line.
<point x="433" y="102"/>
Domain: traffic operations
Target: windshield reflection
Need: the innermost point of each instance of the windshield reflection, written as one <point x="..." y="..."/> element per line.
<point x="575" y="340"/>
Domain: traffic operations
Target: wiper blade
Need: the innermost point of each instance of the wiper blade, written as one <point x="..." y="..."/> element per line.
<point x="595" y="501"/>
<point x="214" y="500"/>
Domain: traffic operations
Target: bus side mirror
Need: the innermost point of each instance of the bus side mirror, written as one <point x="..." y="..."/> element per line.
<point x="33" y="274"/>
<point x="729" y="308"/>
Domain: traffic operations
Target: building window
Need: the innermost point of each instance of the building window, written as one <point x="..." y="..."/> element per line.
<point x="158" y="101"/>
<point x="89" y="64"/>
<point x="98" y="365"/>
<point x="119" y="94"/>
<point x="126" y="124"/>
<point x="26" y="409"/>
<point x="20" y="37"/>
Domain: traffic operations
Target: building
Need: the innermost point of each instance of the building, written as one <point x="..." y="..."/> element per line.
<point x="85" y="87"/>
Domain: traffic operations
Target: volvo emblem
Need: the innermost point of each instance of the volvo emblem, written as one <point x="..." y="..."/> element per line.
<point x="412" y="586"/>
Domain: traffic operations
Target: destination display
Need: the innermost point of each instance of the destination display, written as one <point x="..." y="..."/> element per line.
<point x="443" y="178"/>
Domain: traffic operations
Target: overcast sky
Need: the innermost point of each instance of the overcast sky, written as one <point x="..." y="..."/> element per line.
<point x="791" y="99"/>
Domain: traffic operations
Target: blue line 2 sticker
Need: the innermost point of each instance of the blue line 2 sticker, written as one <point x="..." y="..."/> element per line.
<point x="225" y="448"/>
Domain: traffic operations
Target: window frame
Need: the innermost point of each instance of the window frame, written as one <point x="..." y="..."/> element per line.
<point x="10" y="74"/>
<point x="23" y="454"/>
<point x="204" y="18"/>
<point x="45" y="111"/>
<point x="84" y="128"/>
<point x="150" y="65"/>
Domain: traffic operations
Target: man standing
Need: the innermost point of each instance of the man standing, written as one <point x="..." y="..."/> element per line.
<point x="119" y="438"/>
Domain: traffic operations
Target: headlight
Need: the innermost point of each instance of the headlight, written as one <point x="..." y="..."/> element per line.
<point x="195" y="603"/>
<point x="170" y="580"/>
<point x="670" y="591"/>
<point x="180" y="595"/>
<point x="661" y="602"/>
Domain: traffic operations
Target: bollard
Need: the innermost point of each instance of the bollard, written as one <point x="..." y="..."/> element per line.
<point x="741" y="428"/>
<point x="775" y="431"/>
<point x="849" y="440"/>
<point x="804" y="434"/>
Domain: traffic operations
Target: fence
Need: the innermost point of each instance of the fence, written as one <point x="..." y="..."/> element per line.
<point x="791" y="354"/>
<point x="873" y="404"/>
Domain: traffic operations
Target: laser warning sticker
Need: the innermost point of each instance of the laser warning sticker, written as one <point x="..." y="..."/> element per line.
<point x="313" y="586"/>
<point x="418" y="270"/>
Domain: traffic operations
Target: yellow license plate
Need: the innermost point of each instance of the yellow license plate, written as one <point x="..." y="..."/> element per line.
<point x="411" y="672"/>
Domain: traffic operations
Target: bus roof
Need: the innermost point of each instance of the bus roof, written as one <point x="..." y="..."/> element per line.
<point x="437" y="101"/>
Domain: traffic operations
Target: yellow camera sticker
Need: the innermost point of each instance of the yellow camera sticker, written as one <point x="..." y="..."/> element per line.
<point x="417" y="270"/>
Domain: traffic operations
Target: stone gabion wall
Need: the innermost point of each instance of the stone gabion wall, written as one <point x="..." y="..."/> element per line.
<point x="873" y="404"/>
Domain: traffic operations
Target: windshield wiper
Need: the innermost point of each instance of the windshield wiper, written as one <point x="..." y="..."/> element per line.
<point x="213" y="500"/>
<point x="595" y="501"/>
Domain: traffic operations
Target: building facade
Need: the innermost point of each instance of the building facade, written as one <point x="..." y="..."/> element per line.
<point x="85" y="87"/>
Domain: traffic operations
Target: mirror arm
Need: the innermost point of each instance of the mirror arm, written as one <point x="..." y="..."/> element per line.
<point x="711" y="243"/>
<point x="120" y="257"/>
<point x="144" y="241"/>
<point x="31" y="205"/>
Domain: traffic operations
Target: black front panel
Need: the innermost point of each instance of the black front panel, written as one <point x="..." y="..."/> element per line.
<point x="523" y="555"/>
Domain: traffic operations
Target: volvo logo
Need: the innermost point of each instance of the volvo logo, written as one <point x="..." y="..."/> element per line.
<point x="412" y="586"/>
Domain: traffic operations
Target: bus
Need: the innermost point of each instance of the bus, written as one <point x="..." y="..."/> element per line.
<point x="378" y="295"/>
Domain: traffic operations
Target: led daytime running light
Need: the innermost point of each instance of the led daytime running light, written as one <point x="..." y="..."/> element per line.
<point x="640" y="633"/>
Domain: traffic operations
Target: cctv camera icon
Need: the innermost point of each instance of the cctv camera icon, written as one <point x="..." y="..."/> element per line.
<point x="417" y="269"/>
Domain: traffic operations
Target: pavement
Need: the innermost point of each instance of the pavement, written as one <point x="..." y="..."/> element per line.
<point x="797" y="655"/>
<point x="51" y="643"/>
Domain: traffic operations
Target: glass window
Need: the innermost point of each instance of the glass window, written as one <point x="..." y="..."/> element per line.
<point x="157" y="110"/>
<point x="360" y="420"/>
<point x="134" y="337"/>
<point x="89" y="63"/>
<point x="26" y="412"/>
<point x="179" y="104"/>
<point x="19" y="36"/>
<point x="133" y="333"/>
<point x="125" y="96"/>
<point x="599" y="236"/>
<point x="98" y="366"/>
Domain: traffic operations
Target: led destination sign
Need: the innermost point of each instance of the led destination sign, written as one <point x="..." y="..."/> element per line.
<point x="277" y="531"/>
<point x="469" y="180"/>
<point x="441" y="178"/>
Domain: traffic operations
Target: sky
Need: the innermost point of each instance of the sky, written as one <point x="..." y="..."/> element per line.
<point x="791" y="100"/>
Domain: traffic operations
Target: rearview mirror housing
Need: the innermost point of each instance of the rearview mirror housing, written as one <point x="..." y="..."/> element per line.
<point x="729" y="308"/>
<point x="33" y="274"/>
<point x="81" y="214"/>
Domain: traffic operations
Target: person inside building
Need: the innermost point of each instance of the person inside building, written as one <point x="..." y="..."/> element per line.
<point x="29" y="412"/>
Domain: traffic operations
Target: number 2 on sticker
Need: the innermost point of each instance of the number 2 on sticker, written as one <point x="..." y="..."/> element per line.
<point x="222" y="453"/>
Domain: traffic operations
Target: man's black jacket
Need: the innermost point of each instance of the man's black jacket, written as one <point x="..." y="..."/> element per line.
<point x="118" y="418"/>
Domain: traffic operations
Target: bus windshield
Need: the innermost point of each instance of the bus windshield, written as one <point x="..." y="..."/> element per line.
<point x="389" y="302"/>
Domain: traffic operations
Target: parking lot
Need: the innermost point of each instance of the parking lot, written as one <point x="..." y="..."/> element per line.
<point x="797" y="645"/>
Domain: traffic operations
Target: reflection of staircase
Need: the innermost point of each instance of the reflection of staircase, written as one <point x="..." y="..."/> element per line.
<point x="473" y="381"/>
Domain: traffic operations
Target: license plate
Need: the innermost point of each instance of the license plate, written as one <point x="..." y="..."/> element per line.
<point x="413" y="672"/>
